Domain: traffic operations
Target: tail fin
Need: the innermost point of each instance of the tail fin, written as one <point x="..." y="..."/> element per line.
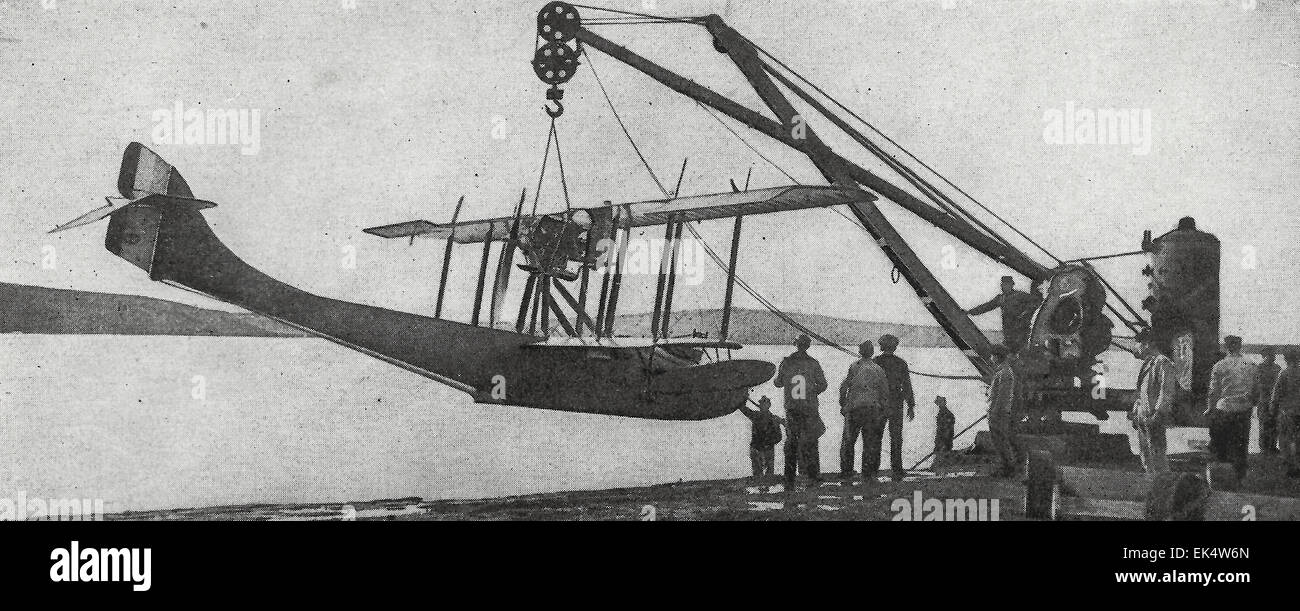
<point x="144" y="173"/>
<point x="133" y="230"/>
<point x="147" y="185"/>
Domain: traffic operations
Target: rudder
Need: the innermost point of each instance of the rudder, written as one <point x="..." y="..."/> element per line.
<point x="150" y="183"/>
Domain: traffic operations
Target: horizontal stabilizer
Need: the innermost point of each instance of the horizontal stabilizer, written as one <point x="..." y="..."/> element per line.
<point x="118" y="203"/>
<point x="97" y="214"/>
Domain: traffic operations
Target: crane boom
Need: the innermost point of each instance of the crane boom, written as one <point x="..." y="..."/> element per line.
<point x="794" y="132"/>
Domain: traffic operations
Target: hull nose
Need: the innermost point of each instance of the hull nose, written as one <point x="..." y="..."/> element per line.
<point x="713" y="377"/>
<point x="702" y="392"/>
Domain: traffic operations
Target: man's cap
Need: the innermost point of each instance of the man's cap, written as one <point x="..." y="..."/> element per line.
<point x="765" y="400"/>
<point x="1231" y="340"/>
<point x="888" y="341"/>
<point x="803" y="340"/>
<point x="866" y="347"/>
<point x="1008" y="279"/>
<point x="1268" y="351"/>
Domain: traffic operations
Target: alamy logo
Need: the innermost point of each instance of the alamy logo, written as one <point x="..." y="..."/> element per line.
<point x="1105" y="126"/>
<point x="111" y="564"/>
<point x="22" y="508"/>
<point x="207" y="126"/>
<point x="918" y="509"/>
<point x="651" y="256"/>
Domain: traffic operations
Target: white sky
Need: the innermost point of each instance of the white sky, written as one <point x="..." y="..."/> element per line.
<point x="386" y="112"/>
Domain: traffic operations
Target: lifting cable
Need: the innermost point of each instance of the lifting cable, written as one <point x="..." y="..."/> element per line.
<point x="622" y="125"/>
<point x="634" y="16"/>
<point x="546" y="155"/>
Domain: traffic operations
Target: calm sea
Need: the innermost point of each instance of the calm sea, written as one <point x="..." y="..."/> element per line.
<point x="170" y="422"/>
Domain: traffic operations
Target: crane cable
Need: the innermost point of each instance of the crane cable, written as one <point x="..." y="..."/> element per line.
<point x="850" y="112"/>
<point x="1131" y="325"/>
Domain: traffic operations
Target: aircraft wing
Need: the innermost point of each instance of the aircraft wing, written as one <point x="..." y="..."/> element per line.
<point x="467" y="232"/>
<point x="652" y="212"/>
<point x="631" y="342"/>
<point x="742" y="203"/>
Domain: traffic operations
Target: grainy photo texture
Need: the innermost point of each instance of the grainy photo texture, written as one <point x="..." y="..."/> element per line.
<point x="888" y="260"/>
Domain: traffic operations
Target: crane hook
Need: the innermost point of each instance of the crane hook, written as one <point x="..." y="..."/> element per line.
<point x="559" y="109"/>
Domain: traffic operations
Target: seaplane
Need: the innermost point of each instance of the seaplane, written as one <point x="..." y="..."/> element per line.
<point x="558" y="355"/>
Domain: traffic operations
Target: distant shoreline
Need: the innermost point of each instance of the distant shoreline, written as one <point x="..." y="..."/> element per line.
<point x="46" y="311"/>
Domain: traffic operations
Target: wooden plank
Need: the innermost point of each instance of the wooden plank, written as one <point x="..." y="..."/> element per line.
<point x="1073" y="506"/>
<point x="1104" y="484"/>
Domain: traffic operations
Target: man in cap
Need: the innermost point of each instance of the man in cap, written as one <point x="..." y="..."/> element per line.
<point x="802" y="378"/>
<point x="900" y="394"/>
<point x="1004" y="407"/>
<point x="1017" y="312"/>
<point x="765" y="434"/>
<point x="864" y="397"/>
<point x="1266" y="379"/>
<point x="1154" y="404"/>
<point x="1232" y="382"/>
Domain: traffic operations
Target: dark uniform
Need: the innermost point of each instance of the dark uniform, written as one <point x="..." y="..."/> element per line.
<point x="800" y="375"/>
<point x="1264" y="383"/>
<point x="945" y="425"/>
<point x="1004" y="406"/>
<point x="1017" y="312"/>
<point x="765" y="434"/>
<point x="900" y="393"/>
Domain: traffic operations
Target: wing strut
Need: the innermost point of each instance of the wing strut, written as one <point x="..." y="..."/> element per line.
<point x="482" y="279"/>
<point x="731" y="280"/>
<point x="446" y="258"/>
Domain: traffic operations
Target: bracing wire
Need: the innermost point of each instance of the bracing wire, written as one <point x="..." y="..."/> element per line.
<point x="846" y="109"/>
<point x="745" y="286"/>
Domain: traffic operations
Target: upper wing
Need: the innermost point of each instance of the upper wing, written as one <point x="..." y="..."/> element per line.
<point x="652" y="212"/>
<point x="466" y="233"/>
<point x="742" y="203"/>
<point x="632" y="342"/>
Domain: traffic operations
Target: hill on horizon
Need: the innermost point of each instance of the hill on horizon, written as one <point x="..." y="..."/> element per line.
<point x="41" y="310"/>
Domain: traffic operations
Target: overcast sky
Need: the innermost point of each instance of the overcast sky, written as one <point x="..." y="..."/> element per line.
<point x="389" y="111"/>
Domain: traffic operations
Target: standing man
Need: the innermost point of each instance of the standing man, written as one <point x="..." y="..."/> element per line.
<point x="864" y="397"/>
<point x="900" y="393"/>
<point x="1004" y="399"/>
<point x="765" y="434"/>
<point x="1017" y="312"/>
<point x="1286" y="404"/>
<point x="802" y="378"/>
<point x="1268" y="425"/>
<point x="1154" y="405"/>
<point x="945" y="423"/>
<point x="1232" y="382"/>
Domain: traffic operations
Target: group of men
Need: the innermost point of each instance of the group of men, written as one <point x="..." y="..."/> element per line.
<point x="1238" y="387"/>
<point x="876" y="391"/>
<point x="876" y="394"/>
